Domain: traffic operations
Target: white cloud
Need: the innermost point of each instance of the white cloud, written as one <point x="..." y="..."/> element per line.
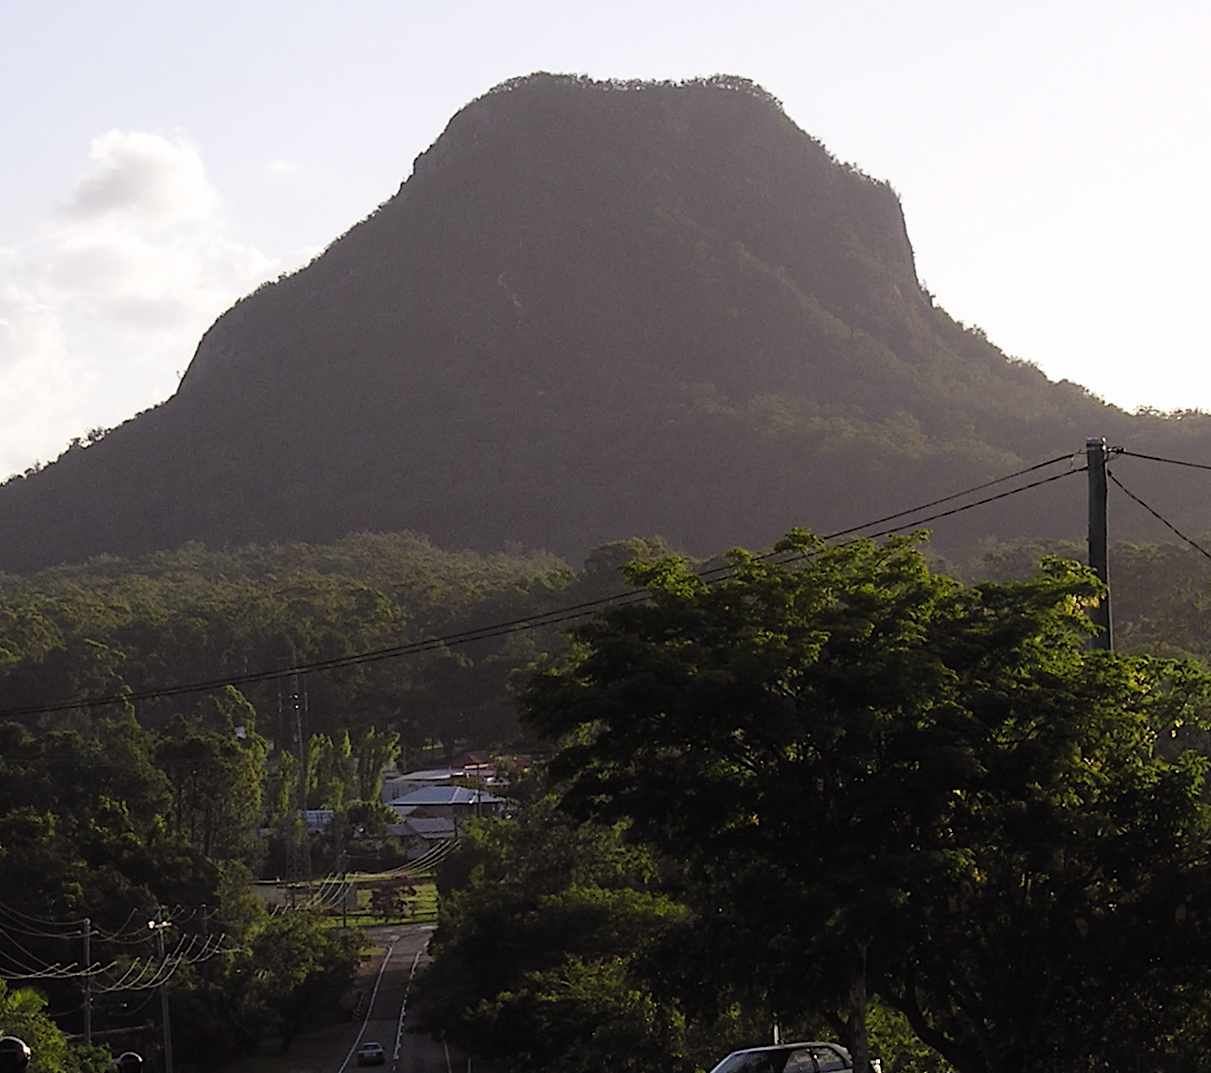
<point x="282" y="168"/>
<point x="102" y="307"/>
<point x="36" y="389"/>
<point x="145" y="176"/>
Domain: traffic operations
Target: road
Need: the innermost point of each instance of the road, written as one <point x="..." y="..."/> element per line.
<point x="387" y="1021"/>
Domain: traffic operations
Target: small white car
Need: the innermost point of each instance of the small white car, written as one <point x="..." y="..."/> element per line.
<point x="371" y="1054"/>
<point x="811" y="1056"/>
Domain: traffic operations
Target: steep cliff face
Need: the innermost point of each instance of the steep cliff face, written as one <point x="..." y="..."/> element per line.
<point x="549" y="189"/>
<point x="593" y="310"/>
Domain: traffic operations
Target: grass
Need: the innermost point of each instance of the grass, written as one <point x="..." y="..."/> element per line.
<point x="422" y="909"/>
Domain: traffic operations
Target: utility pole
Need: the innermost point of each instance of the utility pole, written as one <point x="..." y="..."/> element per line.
<point x="88" y="990"/>
<point x="1099" y="556"/>
<point x="298" y="846"/>
<point x="158" y="925"/>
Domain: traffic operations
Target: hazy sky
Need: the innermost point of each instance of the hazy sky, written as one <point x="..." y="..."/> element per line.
<point x="161" y="159"/>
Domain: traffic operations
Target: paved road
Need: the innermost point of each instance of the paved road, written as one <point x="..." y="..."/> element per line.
<point x="406" y="1052"/>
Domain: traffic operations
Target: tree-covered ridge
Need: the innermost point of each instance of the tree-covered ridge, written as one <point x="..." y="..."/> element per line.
<point x="110" y="625"/>
<point x="594" y="309"/>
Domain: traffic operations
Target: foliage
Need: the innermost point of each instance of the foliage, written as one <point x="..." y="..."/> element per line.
<point x="376" y="749"/>
<point x="112" y="625"/>
<point x="934" y="792"/>
<point x="92" y="827"/>
<point x="546" y="955"/>
<point x="897" y="1046"/>
<point x="23" y="1014"/>
<point x="299" y="968"/>
<point x="1161" y="601"/>
<point x="217" y="782"/>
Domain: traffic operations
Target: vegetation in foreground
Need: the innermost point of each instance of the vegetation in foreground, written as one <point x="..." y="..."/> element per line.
<point x="111" y="811"/>
<point x="836" y="789"/>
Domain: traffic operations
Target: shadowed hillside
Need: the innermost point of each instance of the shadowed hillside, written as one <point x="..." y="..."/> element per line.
<point x="594" y="310"/>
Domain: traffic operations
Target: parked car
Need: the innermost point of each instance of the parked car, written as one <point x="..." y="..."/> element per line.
<point x="371" y="1054"/>
<point x="812" y="1056"/>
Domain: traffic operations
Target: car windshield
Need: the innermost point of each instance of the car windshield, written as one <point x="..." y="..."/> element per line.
<point x="813" y="1059"/>
<point x="752" y="1063"/>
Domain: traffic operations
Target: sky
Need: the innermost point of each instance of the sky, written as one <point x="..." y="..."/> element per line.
<point x="159" y="160"/>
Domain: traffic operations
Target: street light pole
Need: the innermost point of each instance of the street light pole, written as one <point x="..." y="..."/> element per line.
<point x="158" y="925"/>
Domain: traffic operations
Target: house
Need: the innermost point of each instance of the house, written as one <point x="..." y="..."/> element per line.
<point x="421" y="833"/>
<point x="399" y="785"/>
<point x="431" y="829"/>
<point x="450" y="802"/>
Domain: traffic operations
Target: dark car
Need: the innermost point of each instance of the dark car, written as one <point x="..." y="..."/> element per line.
<point x="371" y="1054"/>
<point x="809" y="1057"/>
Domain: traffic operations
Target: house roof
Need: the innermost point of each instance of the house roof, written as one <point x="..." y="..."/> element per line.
<point x="431" y="829"/>
<point x="433" y="774"/>
<point x="446" y="795"/>
<point x="398" y="785"/>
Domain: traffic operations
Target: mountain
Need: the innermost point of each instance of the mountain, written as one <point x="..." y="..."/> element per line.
<point x="593" y="310"/>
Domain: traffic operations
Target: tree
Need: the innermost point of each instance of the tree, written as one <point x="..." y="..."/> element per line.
<point x="335" y="776"/>
<point x="299" y="968"/>
<point x="375" y="750"/>
<point x="849" y="751"/>
<point x="218" y="784"/>
<point x="1077" y="921"/>
<point x="23" y="1014"/>
<point x="549" y="949"/>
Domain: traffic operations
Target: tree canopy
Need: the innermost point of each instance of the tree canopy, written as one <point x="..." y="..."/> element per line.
<point x="923" y="790"/>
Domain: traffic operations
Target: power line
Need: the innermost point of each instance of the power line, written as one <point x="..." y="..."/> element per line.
<point x="538" y="620"/>
<point x="40" y="968"/>
<point x="119" y="935"/>
<point x="959" y="495"/>
<point x="133" y="969"/>
<point x="1160" y="517"/>
<point x="46" y="921"/>
<point x="9" y="927"/>
<point x="148" y="974"/>
<point x="916" y="523"/>
<point x="1159" y="458"/>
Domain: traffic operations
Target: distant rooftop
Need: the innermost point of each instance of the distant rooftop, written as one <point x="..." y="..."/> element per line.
<point x="446" y="795"/>
<point x="435" y="774"/>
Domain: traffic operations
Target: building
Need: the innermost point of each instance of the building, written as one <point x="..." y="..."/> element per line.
<point x="400" y="785"/>
<point x="449" y="802"/>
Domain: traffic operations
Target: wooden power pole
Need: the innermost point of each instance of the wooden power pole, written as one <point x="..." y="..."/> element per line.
<point x="1099" y="554"/>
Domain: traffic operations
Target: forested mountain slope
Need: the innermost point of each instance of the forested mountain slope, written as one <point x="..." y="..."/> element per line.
<point x="114" y="626"/>
<point x="594" y="310"/>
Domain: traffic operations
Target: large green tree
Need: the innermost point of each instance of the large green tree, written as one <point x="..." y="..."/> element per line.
<point x="217" y="777"/>
<point x="546" y="954"/>
<point x="297" y="969"/>
<point x="885" y="781"/>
